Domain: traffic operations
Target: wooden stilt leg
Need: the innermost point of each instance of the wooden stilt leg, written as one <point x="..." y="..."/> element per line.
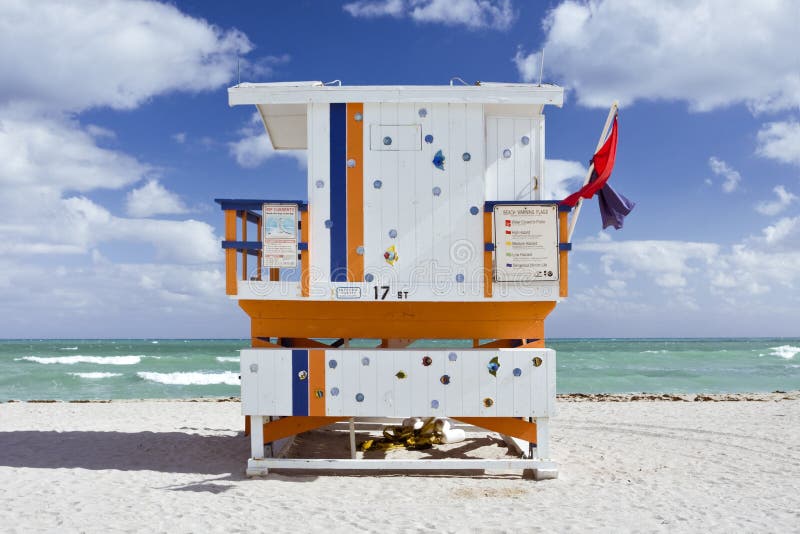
<point x="257" y="436"/>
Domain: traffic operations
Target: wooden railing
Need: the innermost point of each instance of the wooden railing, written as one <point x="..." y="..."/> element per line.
<point x="240" y="212"/>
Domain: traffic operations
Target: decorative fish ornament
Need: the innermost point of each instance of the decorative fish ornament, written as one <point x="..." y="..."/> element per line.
<point x="438" y="160"/>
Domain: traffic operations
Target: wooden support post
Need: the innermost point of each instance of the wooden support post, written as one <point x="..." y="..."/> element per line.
<point x="257" y="437"/>
<point x="352" y="438"/>
<point x="305" y="256"/>
<point x="260" y="255"/>
<point x="542" y="437"/>
<point x="488" y="277"/>
<point x="244" y="238"/>
<point x="231" y="287"/>
<point x="563" y="265"/>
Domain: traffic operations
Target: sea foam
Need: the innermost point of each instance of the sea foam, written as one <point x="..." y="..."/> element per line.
<point x="784" y="351"/>
<point x="228" y="359"/>
<point x="191" y="379"/>
<point x="68" y="348"/>
<point x="95" y="375"/>
<point x="71" y="360"/>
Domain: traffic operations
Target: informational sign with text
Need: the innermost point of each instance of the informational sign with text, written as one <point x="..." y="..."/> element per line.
<point x="526" y="242"/>
<point x="279" y="237"/>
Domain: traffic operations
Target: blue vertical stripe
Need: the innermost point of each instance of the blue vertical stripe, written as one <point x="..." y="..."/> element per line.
<point x="299" y="382"/>
<point x="338" y="192"/>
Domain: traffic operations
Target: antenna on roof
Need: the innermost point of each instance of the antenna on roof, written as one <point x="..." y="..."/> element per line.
<point x="339" y="82"/>
<point x="541" y="66"/>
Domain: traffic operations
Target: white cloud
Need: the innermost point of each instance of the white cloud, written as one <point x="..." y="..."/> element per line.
<point x="255" y="146"/>
<point x="780" y="141"/>
<point x="41" y="153"/>
<point x="474" y="14"/>
<point x="153" y="199"/>
<point x="731" y="177"/>
<point x="785" y="198"/>
<point x="371" y="9"/>
<point x="562" y="177"/>
<point x="179" y="137"/>
<point x="709" y="53"/>
<point x="667" y="263"/>
<point x="71" y="56"/>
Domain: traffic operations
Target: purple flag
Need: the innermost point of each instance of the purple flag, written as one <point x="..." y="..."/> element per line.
<point x="613" y="207"/>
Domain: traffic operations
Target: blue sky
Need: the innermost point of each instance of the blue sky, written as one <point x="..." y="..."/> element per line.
<point x="115" y="136"/>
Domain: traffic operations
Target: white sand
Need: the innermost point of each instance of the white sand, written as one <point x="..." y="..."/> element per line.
<point x="178" y="467"/>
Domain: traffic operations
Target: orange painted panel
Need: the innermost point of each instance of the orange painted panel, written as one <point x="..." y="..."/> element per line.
<point x="392" y="320"/>
<point x="488" y="279"/>
<point x="305" y="255"/>
<point x="355" y="192"/>
<point x="316" y="382"/>
<point x="289" y="426"/>
<point x="244" y="238"/>
<point x="231" y="287"/>
<point x="509" y="426"/>
<point x="563" y="263"/>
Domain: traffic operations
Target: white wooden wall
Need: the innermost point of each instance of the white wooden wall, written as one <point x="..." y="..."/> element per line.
<point x="439" y="240"/>
<point x="373" y="374"/>
<point x="437" y="235"/>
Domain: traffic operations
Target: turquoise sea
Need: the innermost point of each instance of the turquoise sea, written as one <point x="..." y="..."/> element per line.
<point x="175" y="368"/>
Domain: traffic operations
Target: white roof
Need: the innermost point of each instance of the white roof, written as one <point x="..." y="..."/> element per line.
<point x="481" y="93"/>
<point x="283" y="105"/>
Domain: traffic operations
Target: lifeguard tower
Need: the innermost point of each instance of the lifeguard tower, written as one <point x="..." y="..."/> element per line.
<point x="424" y="221"/>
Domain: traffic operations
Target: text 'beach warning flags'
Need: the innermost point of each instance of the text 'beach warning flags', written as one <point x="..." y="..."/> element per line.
<point x="613" y="206"/>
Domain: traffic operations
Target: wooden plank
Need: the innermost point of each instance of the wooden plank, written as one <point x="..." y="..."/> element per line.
<point x="319" y="190"/>
<point x="424" y="200"/>
<point x="509" y="426"/>
<point x="505" y="166"/>
<point x="316" y="382"/>
<point x="563" y="258"/>
<point x="523" y="159"/>
<point x="384" y="319"/>
<point x="355" y="192"/>
<point x="521" y="385"/>
<point x="406" y="196"/>
<point x="488" y="237"/>
<point x="231" y="284"/>
<point x="373" y="197"/>
<point x="305" y="255"/>
<point x="440" y="129"/>
<point x="505" y="383"/>
<point x="333" y="383"/>
<point x="475" y="191"/>
<point x="289" y="426"/>
<point x="244" y="238"/>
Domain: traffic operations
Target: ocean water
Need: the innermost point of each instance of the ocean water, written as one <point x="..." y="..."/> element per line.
<point x="81" y="369"/>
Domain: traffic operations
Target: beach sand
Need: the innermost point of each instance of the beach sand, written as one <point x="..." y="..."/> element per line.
<point x="662" y="463"/>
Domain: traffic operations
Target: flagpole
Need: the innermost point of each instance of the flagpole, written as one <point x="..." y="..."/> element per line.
<point x="611" y="113"/>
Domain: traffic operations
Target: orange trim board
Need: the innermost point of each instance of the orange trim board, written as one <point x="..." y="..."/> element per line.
<point x="488" y="278"/>
<point x="394" y="320"/>
<point x="316" y="382"/>
<point x="231" y="284"/>
<point x="305" y="256"/>
<point x="355" y="192"/>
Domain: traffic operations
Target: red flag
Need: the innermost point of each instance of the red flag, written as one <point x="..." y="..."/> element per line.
<point x="603" y="162"/>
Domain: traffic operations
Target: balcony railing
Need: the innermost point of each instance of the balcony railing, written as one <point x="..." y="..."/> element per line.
<point x="238" y="214"/>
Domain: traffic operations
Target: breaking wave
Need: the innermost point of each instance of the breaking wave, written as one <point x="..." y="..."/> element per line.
<point x="71" y="360"/>
<point x="95" y="375"/>
<point x="191" y="379"/>
<point x="784" y="351"/>
<point x="228" y="359"/>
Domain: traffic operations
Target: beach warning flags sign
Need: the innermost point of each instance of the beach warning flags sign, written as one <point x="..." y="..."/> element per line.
<point x="613" y="206"/>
